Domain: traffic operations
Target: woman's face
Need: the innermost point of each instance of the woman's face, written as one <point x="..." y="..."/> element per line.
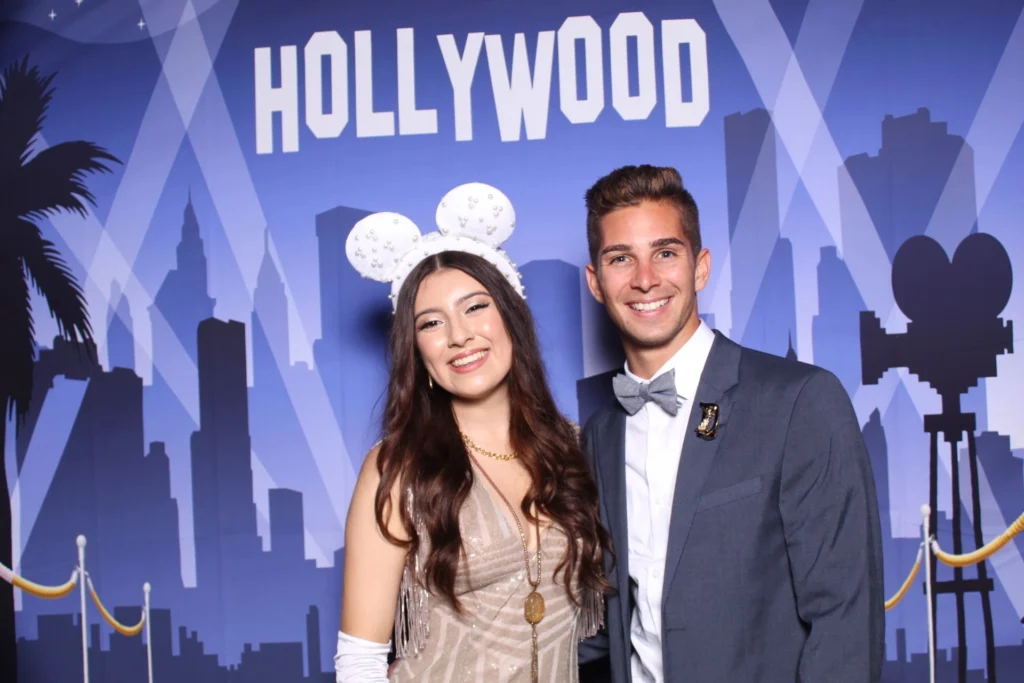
<point x="461" y="335"/>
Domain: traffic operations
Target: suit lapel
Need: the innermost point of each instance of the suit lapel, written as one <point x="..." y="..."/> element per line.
<point x="612" y="455"/>
<point x="721" y="374"/>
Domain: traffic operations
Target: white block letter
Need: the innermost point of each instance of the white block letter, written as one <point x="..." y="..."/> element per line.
<point x="369" y="123"/>
<point x="675" y="32"/>
<point x="637" y="107"/>
<point x="517" y="94"/>
<point x="331" y="45"/>
<point x="411" y="121"/>
<point x="284" y="99"/>
<point x="587" y="30"/>
<point x="460" y="72"/>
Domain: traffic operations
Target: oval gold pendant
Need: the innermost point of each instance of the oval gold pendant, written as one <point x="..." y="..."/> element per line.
<point x="534" y="608"/>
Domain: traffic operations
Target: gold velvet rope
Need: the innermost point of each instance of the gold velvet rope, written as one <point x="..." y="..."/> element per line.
<point x="37" y="589"/>
<point x="895" y="600"/>
<point x="114" y="623"/>
<point x="982" y="553"/>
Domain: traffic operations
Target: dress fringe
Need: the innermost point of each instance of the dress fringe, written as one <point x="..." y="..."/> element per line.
<point x="412" y="615"/>
<point x="412" y="618"/>
<point x="591" y="613"/>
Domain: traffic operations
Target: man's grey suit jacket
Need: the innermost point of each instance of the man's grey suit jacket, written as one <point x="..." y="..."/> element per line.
<point x="774" y="561"/>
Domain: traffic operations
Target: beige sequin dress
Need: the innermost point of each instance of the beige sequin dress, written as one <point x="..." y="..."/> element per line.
<point x="491" y="641"/>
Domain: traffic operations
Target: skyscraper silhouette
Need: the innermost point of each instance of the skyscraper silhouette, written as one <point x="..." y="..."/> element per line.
<point x="222" y="494"/>
<point x="835" y="329"/>
<point x="107" y="489"/>
<point x="901" y="185"/>
<point x="183" y="299"/>
<point x="270" y="344"/>
<point x="763" y="289"/>
<point x="120" y="337"/>
<point x="286" y="525"/>
<point x="351" y="353"/>
<point x="553" y="294"/>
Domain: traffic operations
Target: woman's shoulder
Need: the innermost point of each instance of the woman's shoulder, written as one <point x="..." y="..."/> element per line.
<point x="369" y="472"/>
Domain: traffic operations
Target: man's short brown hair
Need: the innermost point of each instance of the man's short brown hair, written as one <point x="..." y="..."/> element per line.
<point x="631" y="185"/>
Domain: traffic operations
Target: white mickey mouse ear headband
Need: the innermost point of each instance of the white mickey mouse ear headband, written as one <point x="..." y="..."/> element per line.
<point x="474" y="218"/>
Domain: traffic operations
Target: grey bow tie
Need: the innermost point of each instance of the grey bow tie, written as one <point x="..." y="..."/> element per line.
<point x="633" y="395"/>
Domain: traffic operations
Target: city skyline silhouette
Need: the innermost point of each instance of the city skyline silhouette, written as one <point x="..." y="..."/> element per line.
<point x="238" y="554"/>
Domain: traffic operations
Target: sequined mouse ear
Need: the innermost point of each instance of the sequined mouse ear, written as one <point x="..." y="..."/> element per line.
<point x="377" y="244"/>
<point x="476" y="210"/>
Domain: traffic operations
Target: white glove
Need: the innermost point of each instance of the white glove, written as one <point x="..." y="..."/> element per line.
<point x="360" y="661"/>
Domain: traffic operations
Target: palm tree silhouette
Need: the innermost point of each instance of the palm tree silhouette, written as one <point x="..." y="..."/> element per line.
<point x="33" y="187"/>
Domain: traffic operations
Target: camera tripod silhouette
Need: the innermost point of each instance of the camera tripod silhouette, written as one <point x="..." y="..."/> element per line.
<point x="952" y="340"/>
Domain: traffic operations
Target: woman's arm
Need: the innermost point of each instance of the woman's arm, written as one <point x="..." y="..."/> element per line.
<point x="373" y="573"/>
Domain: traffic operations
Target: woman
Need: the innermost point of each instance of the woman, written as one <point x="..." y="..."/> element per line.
<point x="457" y="539"/>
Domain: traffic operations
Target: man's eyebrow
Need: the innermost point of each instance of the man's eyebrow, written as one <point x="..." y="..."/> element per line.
<point x="616" y="247"/>
<point x="656" y="244"/>
<point x="667" y="242"/>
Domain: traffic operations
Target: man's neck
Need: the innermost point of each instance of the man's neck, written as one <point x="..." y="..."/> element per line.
<point x="644" y="361"/>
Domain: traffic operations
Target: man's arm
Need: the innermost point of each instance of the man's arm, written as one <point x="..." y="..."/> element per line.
<point x="594" y="648"/>
<point x="833" y="536"/>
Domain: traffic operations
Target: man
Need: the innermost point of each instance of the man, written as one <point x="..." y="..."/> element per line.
<point x="735" y="484"/>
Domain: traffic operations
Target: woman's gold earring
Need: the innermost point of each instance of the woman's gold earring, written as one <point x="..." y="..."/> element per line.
<point x="430" y="381"/>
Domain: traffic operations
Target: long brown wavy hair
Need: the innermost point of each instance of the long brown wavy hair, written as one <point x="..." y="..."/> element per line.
<point x="422" y="451"/>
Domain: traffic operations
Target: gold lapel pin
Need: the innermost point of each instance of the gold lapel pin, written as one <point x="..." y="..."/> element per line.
<point x="708" y="421"/>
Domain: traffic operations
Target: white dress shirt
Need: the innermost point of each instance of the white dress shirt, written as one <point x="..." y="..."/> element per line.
<point x="654" y="445"/>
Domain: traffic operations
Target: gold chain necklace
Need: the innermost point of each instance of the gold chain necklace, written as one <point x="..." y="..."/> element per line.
<point x="533" y="608"/>
<point x="489" y="454"/>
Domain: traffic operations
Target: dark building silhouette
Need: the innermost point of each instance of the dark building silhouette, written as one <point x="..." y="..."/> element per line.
<point x="901" y="185"/>
<point x="238" y="584"/>
<point x="553" y="293"/>
<point x="280" y="393"/>
<point x="835" y="330"/>
<point x="1006" y="475"/>
<point x="763" y="290"/>
<point x="67" y="360"/>
<point x="106" y="488"/>
<point x="172" y="400"/>
<point x="223" y="509"/>
<point x="124" y="658"/>
<point x="602" y="343"/>
<point x="355" y="313"/>
<point x="286" y="525"/>
<point x="120" y="337"/>
<point x="898" y="554"/>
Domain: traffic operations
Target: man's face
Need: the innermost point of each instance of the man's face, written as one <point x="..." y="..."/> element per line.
<point x="647" y="276"/>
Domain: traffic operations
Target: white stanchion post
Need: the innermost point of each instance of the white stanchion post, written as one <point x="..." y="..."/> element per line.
<point x="85" y="622"/>
<point x="149" y="640"/>
<point x="926" y="513"/>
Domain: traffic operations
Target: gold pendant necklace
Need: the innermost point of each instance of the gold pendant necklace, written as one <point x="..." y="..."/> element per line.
<point x="533" y="608"/>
